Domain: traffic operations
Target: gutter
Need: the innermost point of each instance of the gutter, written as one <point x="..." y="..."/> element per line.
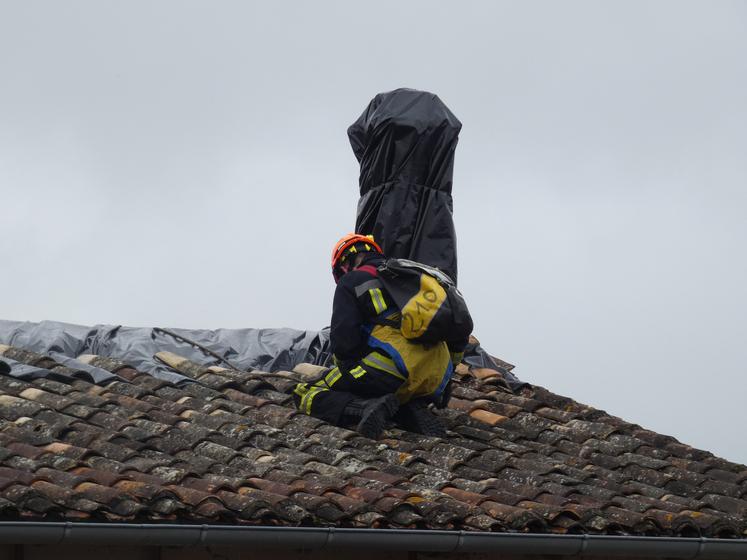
<point x="318" y="538"/>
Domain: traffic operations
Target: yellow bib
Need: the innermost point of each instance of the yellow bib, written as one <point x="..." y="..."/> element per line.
<point x="425" y="367"/>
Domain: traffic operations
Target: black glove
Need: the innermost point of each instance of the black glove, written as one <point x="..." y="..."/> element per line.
<point x="443" y="400"/>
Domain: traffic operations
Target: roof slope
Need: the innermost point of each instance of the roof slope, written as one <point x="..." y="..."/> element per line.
<point x="229" y="447"/>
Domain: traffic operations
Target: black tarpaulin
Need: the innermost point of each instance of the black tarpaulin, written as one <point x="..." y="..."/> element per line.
<point x="405" y="142"/>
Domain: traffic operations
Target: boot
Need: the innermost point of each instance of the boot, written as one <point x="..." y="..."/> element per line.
<point x="372" y="414"/>
<point x="415" y="417"/>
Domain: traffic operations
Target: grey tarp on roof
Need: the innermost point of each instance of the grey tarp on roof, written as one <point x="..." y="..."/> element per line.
<point x="264" y="349"/>
<point x="78" y="370"/>
<point x="23" y="371"/>
<point x="95" y="374"/>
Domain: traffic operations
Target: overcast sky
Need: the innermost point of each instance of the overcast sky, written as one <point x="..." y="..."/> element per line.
<point x="186" y="164"/>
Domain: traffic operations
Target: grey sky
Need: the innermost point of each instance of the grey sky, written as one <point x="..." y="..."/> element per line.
<point x="186" y="164"/>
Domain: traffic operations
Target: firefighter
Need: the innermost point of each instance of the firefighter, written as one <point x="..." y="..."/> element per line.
<point x="378" y="375"/>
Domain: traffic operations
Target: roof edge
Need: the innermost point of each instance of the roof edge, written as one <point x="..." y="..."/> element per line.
<point x="316" y="538"/>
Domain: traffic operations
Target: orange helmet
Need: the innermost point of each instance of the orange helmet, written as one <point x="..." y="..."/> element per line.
<point x="348" y="244"/>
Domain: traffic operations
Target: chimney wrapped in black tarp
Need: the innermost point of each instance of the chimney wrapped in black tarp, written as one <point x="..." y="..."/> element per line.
<point x="405" y="142"/>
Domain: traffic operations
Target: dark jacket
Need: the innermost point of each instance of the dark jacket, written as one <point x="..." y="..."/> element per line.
<point x="359" y="299"/>
<point x="355" y="306"/>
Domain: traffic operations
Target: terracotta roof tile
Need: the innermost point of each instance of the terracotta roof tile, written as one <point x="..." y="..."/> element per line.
<point x="26" y="498"/>
<point x="230" y="447"/>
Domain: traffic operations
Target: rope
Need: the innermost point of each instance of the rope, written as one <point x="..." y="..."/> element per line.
<point x="221" y="359"/>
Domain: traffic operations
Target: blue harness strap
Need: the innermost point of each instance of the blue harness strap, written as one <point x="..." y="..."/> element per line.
<point x="447" y="377"/>
<point x="374" y="342"/>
